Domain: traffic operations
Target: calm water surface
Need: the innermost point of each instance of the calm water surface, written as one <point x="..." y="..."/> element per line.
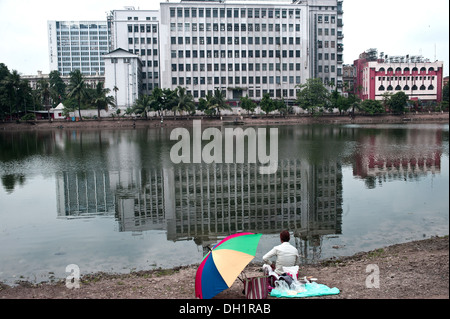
<point x="113" y="200"/>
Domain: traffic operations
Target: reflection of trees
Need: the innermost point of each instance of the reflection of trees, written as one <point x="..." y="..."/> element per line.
<point x="16" y="146"/>
<point x="10" y="181"/>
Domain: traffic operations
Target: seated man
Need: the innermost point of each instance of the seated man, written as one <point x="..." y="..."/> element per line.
<point x="287" y="255"/>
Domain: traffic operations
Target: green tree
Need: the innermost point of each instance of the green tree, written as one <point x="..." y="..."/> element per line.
<point x="267" y="104"/>
<point x="25" y="97"/>
<point x="219" y="101"/>
<point x="142" y="105"/>
<point x="334" y="99"/>
<point x="281" y="106"/>
<point x="206" y="104"/>
<point x="247" y="104"/>
<point x="4" y="94"/>
<point x="312" y="95"/>
<point x="57" y="87"/>
<point x="43" y="90"/>
<point x="372" y="107"/>
<point x="12" y="84"/>
<point x="397" y="102"/>
<point x="183" y="101"/>
<point x="169" y="98"/>
<point x="445" y="97"/>
<point x="77" y="89"/>
<point x="101" y="100"/>
<point x="157" y="100"/>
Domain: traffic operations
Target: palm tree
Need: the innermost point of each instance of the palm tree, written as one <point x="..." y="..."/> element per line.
<point x="210" y="107"/>
<point x="115" y="89"/>
<point x="101" y="100"/>
<point x="142" y="105"/>
<point x="183" y="101"/>
<point x="169" y="98"/>
<point x="220" y="101"/>
<point x="57" y="87"/>
<point x="77" y="88"/>
<point x="12" y="84"/>
<point x="157" y="100"/>
<point x="43" y="88"/>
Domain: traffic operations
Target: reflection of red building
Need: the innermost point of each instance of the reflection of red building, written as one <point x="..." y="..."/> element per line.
<point x="418" y="153"/>
<point x="418" y="78"/>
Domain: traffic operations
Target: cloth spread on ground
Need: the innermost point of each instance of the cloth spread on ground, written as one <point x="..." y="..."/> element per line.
<point x="310" y="290"/>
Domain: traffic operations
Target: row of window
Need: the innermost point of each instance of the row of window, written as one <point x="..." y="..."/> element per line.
<point x="326" y="56"/>
<point x="143" y="28"/>
<point x="144" y="52"/>
<point x="146" y="18"/>
<point x="406" y="69"/>
<point x="406" y="88"/>
<point x="82" y="33"/>
<point x="84" y="58"/>
<point x="234" y="13"/>
<point x="235" y="40"/>
<point x="143" y="40"/>
<point x="75" y="64"/>
<point x="85" y="52"/>
<point x="85" y="46"/>
<point x="235" y="53"/>
<point x="233" y="27"/>
<point x="66" y="25"/>
<point x="405" y="78"/>
<point x="235" y="80"/>
<point x="209" y="67"/>
<point x="77" y="41"/>
<point x="252" y="93"/>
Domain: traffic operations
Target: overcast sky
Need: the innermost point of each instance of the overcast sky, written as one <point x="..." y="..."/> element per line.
<point x="395" y="27"/>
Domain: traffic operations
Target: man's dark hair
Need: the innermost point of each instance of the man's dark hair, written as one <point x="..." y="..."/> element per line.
<point x="284" y="236"/>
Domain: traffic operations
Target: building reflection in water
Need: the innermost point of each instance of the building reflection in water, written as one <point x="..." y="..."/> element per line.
<point x="206" y="202"/>
<point x="379" y="160"/>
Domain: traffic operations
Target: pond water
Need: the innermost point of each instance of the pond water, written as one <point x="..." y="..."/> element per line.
<point x="113" y="200"/>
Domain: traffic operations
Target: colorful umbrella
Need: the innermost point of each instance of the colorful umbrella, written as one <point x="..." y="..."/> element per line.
<point x="223" y="264"/>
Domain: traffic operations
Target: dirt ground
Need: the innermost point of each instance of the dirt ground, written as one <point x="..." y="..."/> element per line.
<point x="413" y="270"/>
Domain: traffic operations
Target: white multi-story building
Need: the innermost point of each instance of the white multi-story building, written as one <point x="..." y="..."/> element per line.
<point x="250" y="48"/>
<point x="78" y="45"/>
<point x="137" y="31"/>
<point x="123" y="77"/>
<point x="326" y="41"/>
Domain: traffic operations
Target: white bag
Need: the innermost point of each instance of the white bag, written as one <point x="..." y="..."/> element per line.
<point x="292" y="271"/>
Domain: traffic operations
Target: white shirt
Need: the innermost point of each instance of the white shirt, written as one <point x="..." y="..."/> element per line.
<point x="287" y="256"/>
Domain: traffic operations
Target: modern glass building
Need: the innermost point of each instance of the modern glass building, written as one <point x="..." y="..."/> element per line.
<point x="78" y="45"/>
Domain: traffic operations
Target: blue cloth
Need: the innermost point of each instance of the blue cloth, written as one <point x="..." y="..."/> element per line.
<point x="312" y="290"/>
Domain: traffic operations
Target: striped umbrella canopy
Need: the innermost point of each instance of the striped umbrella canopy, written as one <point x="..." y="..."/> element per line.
<point x="223" y="264"/>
